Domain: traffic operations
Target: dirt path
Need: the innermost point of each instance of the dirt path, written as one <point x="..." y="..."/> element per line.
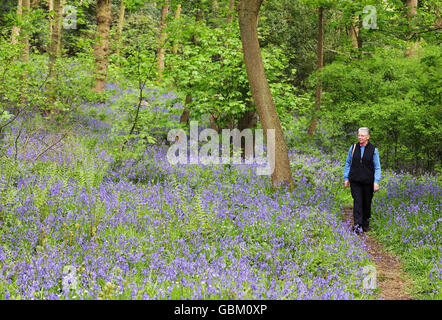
<point x="392" y="281"/>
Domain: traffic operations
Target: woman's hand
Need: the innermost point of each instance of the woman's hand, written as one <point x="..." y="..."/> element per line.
<point x="375" y="187"/>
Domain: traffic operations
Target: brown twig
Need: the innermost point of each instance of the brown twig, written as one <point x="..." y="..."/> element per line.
<point x="49" y="147"/>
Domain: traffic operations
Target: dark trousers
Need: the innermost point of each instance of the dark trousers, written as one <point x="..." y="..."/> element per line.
<point x="362" y="195"/>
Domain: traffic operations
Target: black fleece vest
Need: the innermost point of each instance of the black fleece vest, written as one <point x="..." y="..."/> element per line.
<point x="362" y="170"/>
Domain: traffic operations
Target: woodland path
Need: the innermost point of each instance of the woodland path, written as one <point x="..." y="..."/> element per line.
<point x="393" y="283"/>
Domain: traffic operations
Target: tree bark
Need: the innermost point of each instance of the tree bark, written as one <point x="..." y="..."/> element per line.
<point x="54" y="51"/>
<point x="411" y="15"/>
<point x="51" y="25"/>
<point x="23" y="8"/>
<point x="60" y="28"/>
<point x="199" y="17"/>
<point x="356" y="39"/>
<point x="104" y="20"/>
<point x="162" y="39"/>
<point x="231" y="11"/>
<point x="120" y="28"/>
<point x="55" y="38"/>
<point x="248" y="20"/>
<point x="177" y="16"/>
<point x="248" y="120"/>
<point x="186" y="113"/>
<point x="313" y="124"/>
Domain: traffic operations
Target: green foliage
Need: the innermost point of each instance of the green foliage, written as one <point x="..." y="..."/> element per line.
<point x="211" y="71"/>
<point x="388" y="93"/>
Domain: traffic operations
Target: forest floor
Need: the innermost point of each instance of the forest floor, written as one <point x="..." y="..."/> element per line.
<point x="392" y="282"/>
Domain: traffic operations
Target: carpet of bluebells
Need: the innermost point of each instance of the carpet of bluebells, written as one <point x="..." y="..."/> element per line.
<point x="76" y="224"/>
<point x="408" y="219"/>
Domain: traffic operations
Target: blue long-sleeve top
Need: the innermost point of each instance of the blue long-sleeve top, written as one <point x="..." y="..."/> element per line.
<point x="376" y="163"/>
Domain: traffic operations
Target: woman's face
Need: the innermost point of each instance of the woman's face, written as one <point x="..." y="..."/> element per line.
<point x="363" y="138"/>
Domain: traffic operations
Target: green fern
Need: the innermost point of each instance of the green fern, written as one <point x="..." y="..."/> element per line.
<point x="201" y="219"/>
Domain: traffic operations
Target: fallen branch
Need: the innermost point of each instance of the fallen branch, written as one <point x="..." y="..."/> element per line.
<point x="50" y="147"/>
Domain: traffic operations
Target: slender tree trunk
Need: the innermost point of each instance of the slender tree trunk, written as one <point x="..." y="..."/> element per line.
<point x="356" y="38"/>
<point x="16" y="29"/>
<point x="215" y="13"/>
<point x="23" y="8"/>
<point x="248" y="120"/>
<point x="104" y="20"/>
<point x="186" y="113"/>
<point x="55" y="37"/>
<point x="25" y="39"/>
<point x="248" y="20"/>
<point x="199" y="17"/>
<point x="411" y="15"/>
<point x="162" y="39"/>
<point x="354" y="34"/>
<point x="51" y="22"/>
<point x="60" y="27"/>
<point x="313" y="124"/>
<point x="231" y="11"/>
<point x="54" y="52"/>
<point x="177" y="16"/>
<point x="120" y="28"/>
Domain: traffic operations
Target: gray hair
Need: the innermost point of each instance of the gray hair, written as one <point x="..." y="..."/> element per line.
<point x="364" y="130"/>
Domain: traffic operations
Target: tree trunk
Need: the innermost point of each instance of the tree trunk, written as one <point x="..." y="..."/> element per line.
<point x="60" y="28"/>
<point x="199" y="16"/>
<point x="162" y="39"/>
<point x="23" y="8"/>
<point x="177" y="16"/>
<point x="120" y="28"/>
<point x="104" y="20"/>
<point x="356" y="39"/>
<point x="312" y="128"/>
<point x="212" y="123"/>
<point x="186" y="113"/>
<point x="354" y="34"/>
<point x="55" y="37"/>
<point x="54" y="52"/>
<point x="231" y="11"/>
<point x="51" y="24"/>
<point x="25" y="39"/>
<point x="248" y="20"/>
<point x="411" y="15"/>
<point x="248" y="120"/>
